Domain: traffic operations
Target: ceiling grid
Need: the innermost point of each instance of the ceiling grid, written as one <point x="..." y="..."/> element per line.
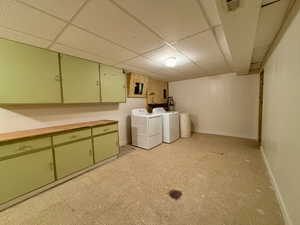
<point x="213" y="30"/>
<point x="135" y="35"/>
<point x="68" y="24"/>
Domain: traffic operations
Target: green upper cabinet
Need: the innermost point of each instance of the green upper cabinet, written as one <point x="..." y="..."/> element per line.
<point x="28" y="74"/>
<point x="113" y="84"/>
<point x="80" y="80"/>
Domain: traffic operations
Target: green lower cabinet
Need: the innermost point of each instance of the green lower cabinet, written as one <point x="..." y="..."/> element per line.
<point x="106" y="146"/>
<point x="72" y="157"/>
<point x="113" y="84"/>
<point x="29" y="164"/>
<point x="22" y="174"/>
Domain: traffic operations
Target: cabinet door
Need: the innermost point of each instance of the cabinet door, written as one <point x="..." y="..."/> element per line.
<point x="113" y="84"/>
<point x="80" y="80"/>
<point x="73" y="157"/>
<point x="23" y="174"/>
<point x="28" y="74"/>
<point x="106" y="146"/>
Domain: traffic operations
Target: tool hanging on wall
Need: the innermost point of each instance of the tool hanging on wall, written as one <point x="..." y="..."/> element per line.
<point x="171" y="104"/>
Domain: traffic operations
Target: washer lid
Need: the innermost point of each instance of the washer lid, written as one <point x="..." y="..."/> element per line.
<point x="140" y="111"/>
<point x="163" y="111"/>
<point x="159" y="110"/>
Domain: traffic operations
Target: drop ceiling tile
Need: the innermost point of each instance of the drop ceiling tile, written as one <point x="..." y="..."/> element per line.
<point x="219" y="31"/>
<point x="217" y="67"/>
<point x="259" y="53"/>
<point x="172" y="19"/>
<point x="192" y="70"/>
<point x="144" y="63"/>
<point x="270" y="20"/>
<point x="64" y="9"/>
<point x="183" y="64"/>
<point x="82" y="40"/>
<point x="81" y="54"/>
<point x="109" y="21"/>
<point x="211" y="10"/>
<point x="183" y="77"/>
<point x="169" y="72"/>
<point x="129" y="68"/>
<point x="151" y="66"/>
<point x="27" y="20"/>
<point x="255" y="67"/>
<point x="203" y="49"/>
<point x="24" y="38"/>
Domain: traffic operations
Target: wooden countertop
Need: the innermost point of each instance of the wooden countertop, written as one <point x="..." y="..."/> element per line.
<point x="50" y="130"/>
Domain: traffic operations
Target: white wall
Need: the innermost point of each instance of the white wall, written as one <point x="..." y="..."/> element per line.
<point x="281" y="119"/>
<point x="225" y="104"/>
<point x="23" y="117"/>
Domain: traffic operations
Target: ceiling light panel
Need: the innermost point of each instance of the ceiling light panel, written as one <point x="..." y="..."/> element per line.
<point x="172" y="19"/>
<point x="64" y="9"/>
<point x="151" y="66"/>
<point x="107" y="20"/>
<point x="170" y="62"/>
<point x="79" y="39"/>
<point x="183" y="64"/>
<point x="24" y="19"/>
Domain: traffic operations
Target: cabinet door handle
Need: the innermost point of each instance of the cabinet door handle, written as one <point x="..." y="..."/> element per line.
<point x="106" y="129"/>
<point x="73" y="136"/>
<point x="57" y="78"/>
<point x="97" y="83"/>
<point x="91" y="152"/>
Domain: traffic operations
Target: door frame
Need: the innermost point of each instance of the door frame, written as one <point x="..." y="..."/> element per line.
<point x="260" y="107"/>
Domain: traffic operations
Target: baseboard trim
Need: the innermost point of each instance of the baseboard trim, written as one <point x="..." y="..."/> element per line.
<point x="227" y="135"/>
<point x="282" y="205"/>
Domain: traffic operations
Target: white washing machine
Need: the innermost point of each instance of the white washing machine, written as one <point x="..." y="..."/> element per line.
<point x="170" y="122"/>
<point x="146" y="129"/>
